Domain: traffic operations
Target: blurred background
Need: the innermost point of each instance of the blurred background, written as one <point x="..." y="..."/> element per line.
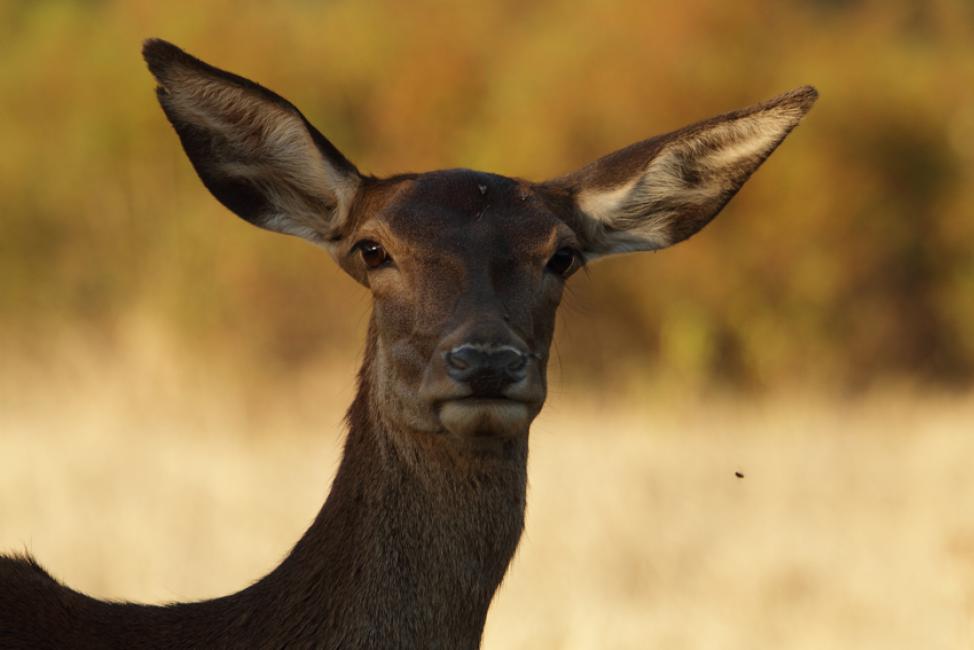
<point x="172" y="380"/>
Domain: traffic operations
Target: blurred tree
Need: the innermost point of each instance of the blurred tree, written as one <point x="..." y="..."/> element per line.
<point x="846" y="261"/>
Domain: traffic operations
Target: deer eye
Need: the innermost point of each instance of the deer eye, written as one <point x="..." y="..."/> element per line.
<point x="373" y="254"/>
<point x="563" y="261"/>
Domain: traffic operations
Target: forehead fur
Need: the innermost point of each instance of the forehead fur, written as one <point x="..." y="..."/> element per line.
<point x="460" y="205"/>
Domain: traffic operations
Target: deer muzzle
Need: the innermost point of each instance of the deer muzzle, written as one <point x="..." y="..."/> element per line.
<point x="485" y="389"/>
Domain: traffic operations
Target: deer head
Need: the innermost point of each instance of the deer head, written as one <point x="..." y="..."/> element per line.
<point x="466" y="268"/>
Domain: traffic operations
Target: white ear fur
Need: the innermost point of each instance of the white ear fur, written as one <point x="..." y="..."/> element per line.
<point x="661" y="191"/>
<point x="269" y="147"/>
<point x="252" y="149"/>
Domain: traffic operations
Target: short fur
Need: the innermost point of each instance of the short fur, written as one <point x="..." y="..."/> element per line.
<point x="658" y="192"/>
<point x="427" y="507"/>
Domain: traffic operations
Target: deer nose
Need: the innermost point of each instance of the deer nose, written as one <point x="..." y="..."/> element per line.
<point x="486" y="369"/>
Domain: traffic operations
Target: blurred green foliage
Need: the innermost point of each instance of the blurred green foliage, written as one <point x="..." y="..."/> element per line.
<point x="847" y="260"/>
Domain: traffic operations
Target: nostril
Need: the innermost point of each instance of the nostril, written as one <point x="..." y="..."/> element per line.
<point x="457" y="361"/>
<point x="516" y="365"/>
<point x="465" y="362"/>
<point x="486" y="369"/>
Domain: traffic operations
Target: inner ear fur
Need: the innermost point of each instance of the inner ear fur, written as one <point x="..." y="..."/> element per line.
<point x="660" y="191"/>
<point x="254" y="151"/>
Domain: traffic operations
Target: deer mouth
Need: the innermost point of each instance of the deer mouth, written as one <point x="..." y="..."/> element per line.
<point x="471" y="417"/>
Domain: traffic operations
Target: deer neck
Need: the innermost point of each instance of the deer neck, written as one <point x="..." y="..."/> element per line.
<point x="415" y="535"/>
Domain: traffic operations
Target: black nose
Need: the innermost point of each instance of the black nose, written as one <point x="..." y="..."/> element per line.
<point x="487" y="369"/>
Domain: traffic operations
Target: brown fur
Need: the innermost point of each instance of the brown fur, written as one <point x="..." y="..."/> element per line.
<point x="402" y="555"/>
<point x="428" y="505"/>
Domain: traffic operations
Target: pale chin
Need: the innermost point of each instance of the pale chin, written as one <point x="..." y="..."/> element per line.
<point x="470" y="418"/>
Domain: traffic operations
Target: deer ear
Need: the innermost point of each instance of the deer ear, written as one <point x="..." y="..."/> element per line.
<point x="658" y="192"/>
<point x="253" y="149"/>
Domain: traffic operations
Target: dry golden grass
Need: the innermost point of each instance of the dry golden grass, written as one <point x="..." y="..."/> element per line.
<point x="853" y="526"/>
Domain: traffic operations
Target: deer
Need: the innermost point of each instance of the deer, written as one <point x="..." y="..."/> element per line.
<point x="466" y="270"/>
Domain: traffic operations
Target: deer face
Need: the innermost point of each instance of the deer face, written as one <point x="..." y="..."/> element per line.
<point x="466" y="268"/>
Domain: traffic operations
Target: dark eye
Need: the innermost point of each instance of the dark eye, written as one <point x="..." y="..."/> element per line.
<point x="563" y="261"/>
<point x="372" y="253"/>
